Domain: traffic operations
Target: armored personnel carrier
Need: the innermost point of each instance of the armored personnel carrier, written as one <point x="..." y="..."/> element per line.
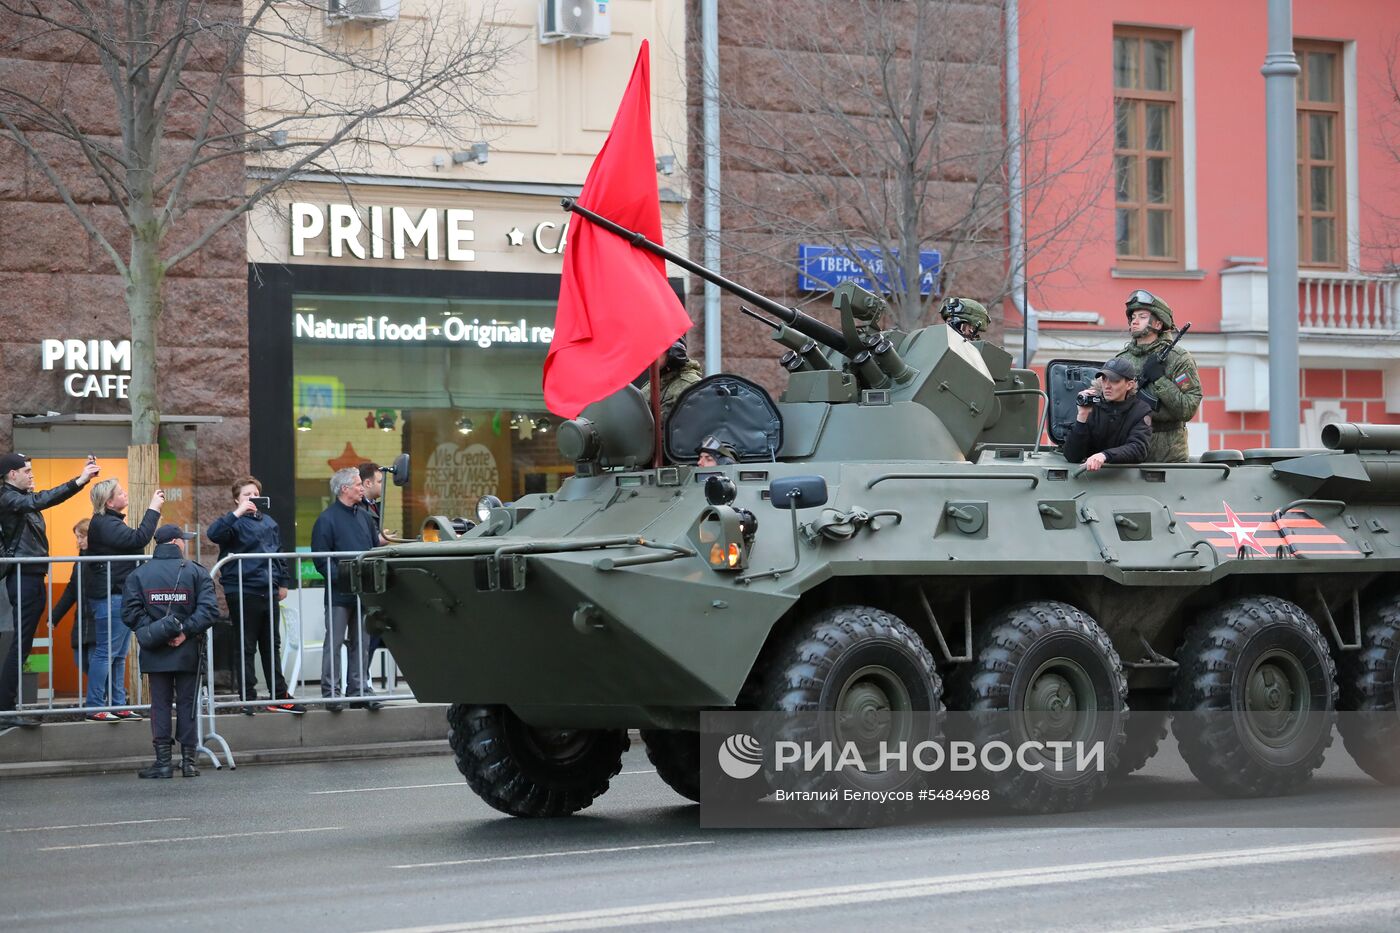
<point x="895" y="538"/>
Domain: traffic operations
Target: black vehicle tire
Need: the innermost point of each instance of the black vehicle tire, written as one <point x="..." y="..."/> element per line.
<point x="1034" y="661"/>
<point x="872" y="670"/>
<point x="675" y="753"/>
<point x="1254" y="697"/>
<point x="531" y="772"/>
<point x="1370" y="694"/>
<point x="1146" y="728"/>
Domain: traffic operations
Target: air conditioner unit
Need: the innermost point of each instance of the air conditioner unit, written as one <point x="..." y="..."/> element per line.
<point x="361" y="11"/>
<point x="581" y="20"/>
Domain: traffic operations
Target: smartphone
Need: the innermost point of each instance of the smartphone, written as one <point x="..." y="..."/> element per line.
<point x="263" y="503"/>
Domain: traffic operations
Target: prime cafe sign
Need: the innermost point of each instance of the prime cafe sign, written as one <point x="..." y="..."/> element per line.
<point x="396" y="233"/>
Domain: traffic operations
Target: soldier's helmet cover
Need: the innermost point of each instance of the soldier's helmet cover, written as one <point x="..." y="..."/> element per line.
<point x="722" y="451"/>
<point x="1143" y="300"/>
<point x="957" y="311"/>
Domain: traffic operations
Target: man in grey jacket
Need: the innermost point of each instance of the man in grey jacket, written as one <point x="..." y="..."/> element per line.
<point x="23" y="534"/>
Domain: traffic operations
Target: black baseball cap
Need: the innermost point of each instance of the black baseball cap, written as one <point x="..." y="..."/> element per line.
<point x="167" y="533"/>
<point x="1117" y="369"/>
<point x="15" y="461"/>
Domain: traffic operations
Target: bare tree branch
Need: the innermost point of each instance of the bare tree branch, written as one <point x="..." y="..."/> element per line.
<point x="151" y="94"/>
<point x="882" y="136"/>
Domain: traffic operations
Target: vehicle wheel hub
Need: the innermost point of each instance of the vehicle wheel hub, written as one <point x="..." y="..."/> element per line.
<point x="1276" y="698"/>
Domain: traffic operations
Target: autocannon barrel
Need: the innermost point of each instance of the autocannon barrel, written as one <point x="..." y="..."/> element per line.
<point x="1354" y="437"/>
<point x="803" y="323"/>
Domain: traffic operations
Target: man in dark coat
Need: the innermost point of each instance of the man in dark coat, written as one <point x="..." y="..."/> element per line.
<point x="254" y="588"/>
<point x="170" y="585"/>
<point x="1116" y="425"/>
<point x="23" y="534"/>
<point x="344" y="526"/>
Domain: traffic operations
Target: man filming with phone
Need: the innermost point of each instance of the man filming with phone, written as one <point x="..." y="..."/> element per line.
<point x="1113" y="423"/>
<point x="254" y="587"/>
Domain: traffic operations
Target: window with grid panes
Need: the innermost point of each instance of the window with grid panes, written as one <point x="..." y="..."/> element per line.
<point x="1147" y="146"/>
<point x="1321" y="223"/>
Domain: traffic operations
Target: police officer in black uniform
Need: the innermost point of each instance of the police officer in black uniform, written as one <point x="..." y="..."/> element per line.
<point x="171" y="585"/>
<point x="1113" y="424"/>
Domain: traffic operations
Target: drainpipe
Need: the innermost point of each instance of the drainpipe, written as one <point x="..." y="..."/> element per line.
<point x="1280" y="73"/>
<point x="1017" y="204"/>
<point x="709" y="77"/>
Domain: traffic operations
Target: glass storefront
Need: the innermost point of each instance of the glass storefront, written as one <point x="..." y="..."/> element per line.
<point x="453" y="382"/>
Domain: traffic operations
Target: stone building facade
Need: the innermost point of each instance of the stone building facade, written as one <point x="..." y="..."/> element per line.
<point x="803" y="147"/>
<point x="56" y="283"/>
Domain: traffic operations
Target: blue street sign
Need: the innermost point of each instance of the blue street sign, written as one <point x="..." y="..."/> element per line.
<point x="822" y="268"/>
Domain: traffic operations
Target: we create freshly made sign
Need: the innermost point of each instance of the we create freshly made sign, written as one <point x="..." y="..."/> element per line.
<point x="822" y="268"/>
<point x="452" y="328"/>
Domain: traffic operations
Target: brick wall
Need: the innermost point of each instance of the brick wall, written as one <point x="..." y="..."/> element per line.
<point x="1360" y="391"/>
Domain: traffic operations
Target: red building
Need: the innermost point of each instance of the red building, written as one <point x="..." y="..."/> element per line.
<point x="1173" y="120"/>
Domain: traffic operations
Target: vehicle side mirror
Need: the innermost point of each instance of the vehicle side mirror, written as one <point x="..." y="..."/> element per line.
<point x="797" y="492"/>
<point x="399" y="470"/>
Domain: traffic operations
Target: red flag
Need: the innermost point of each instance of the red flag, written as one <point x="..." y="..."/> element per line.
<point x="617" y="313"/>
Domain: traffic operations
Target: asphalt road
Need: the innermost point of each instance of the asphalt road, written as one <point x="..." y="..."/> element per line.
<point x="403" y="845"/>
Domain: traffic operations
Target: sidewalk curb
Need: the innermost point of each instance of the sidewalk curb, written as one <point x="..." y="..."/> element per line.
<point x="261" y="756"/>
<point x="257" y="756"/>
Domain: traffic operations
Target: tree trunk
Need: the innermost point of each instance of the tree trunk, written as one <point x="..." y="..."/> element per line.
<point x="144" y="302"/>
<point x="142" y="477"/>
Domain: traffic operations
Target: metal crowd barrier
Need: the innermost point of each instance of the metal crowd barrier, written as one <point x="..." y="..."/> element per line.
<point x="339" y="668"/>
<point x="207" y="704"/>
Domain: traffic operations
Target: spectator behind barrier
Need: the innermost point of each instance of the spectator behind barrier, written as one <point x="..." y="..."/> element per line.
<point x="254" y="589"/>
<point x="110" y="536"/>
<point x="23" y="534"/>
<point x="343" y="526"/>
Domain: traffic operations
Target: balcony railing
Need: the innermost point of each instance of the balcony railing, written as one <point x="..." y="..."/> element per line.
<point x="1346" y="301"/>
<point x="1328" y="302"/>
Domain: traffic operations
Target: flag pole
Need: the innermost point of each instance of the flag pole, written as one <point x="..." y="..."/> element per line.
<point x="656" y="411"/>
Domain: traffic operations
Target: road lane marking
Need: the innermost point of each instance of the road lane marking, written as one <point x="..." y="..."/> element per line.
<point x="1329" y="910"/>
<point x="930" y="886"/>
<point x="560" y="854"/>
<point x="366" y="790"/>
<point x="148" y="842"/>
<point x="42" y="829"/>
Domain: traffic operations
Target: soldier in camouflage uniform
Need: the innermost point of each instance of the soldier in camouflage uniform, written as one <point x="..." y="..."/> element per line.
<point x="969" y="318"/>
<point x="678" y="373"/>
<point x="1172" y="386"/>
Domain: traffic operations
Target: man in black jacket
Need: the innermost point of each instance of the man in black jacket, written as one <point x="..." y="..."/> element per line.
<point x="343" y="526"/>
<point x="23" y="534"/>
<point x="1116" y="425"/>
<point x="170" y="585"/>
<point x="254" y="588"/>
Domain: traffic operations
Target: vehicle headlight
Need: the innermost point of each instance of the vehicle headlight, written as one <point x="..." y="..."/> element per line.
<point x="719" y="534"/>
<point x="484" y="505"/>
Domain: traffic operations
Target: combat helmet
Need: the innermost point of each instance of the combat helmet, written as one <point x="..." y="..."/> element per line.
<point x="723" y="451"/>
<point x="958" y="311"/>
<point x="1143" y="300"/>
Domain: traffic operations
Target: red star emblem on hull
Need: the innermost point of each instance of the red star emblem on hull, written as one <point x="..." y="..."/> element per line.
<point x="1241" y="534"/>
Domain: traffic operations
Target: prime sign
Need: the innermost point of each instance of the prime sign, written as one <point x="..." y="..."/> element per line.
<point x="96" y="368"/>
<point x="433" y="234"/>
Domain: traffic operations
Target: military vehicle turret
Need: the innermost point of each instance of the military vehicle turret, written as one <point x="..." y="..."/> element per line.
<point x="895" y="538"/>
